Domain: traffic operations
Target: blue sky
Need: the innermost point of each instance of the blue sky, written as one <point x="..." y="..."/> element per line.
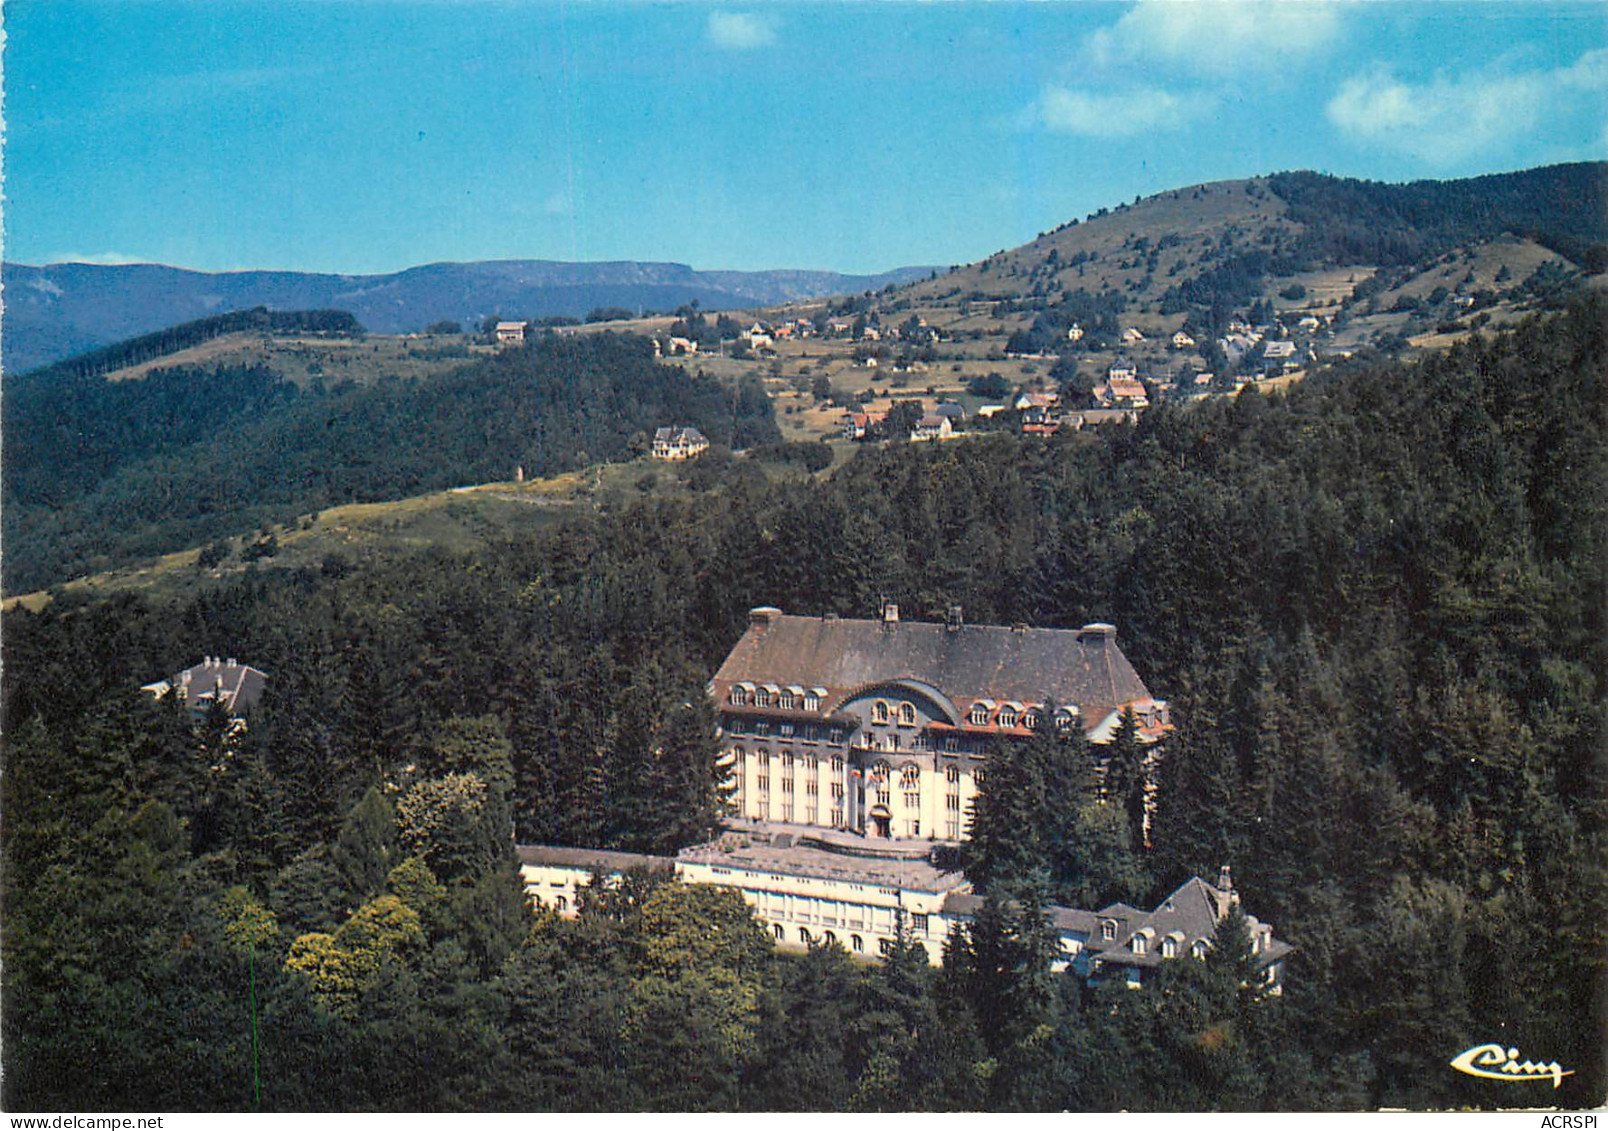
<point x="341" y="135"/>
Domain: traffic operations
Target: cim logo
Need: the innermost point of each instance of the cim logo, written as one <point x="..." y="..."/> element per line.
<point x="1494" y="1062"/>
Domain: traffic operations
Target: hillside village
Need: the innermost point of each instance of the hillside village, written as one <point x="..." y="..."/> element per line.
<point x="1099" y="319"/>
<point x="1179" y="297"/>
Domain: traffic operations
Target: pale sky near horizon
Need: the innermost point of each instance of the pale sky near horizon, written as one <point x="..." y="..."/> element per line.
<point x="370" y="135"/>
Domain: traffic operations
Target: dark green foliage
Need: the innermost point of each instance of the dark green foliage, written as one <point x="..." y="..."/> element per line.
<point x="992" y="387"/>
<point x="812" y="456"/>
<point x="100" y="472"/>
<point x="134" y="351"/>
<point x="1352" y="221"/>
<point x="1377" y="606"/>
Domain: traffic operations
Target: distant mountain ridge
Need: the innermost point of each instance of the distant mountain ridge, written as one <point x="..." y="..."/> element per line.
<point x="61" y="309"/>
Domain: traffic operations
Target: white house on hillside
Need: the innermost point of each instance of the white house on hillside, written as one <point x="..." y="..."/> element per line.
<point x="679" y="443"/>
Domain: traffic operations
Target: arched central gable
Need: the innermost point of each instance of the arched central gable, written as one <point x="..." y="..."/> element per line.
<point x="939" y="704"/>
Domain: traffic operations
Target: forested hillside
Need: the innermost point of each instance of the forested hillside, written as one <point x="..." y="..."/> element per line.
<point x="99" y="473"/>
<point x="1377" y="263"/>
<point x="60" y="309"/>
<point x="1376" y="603"/>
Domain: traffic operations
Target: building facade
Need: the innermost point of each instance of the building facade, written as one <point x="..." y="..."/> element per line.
<point x="679" y="443"/>
<point x="815" y="890"/>
<point x="881" y="727"/>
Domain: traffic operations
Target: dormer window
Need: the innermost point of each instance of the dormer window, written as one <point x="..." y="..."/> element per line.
<point x="1108" y="929"/>
<point x="1169" y="948"/>
<point x="762" y="698"/>
<point x="739" y="697"/>
<point x="1199" y="949"/>
<point x="1063" y="720"/>
<point x="978" y="716"/>
<point x="907" y="715"/>
<point x="879" y="712"/>
<point x="1138" y="944"/>
<point x="1031" y="720"/>
<point x="787" y="702"/>
<point x="1007" y="717"/>
<point x="812" y="702"/>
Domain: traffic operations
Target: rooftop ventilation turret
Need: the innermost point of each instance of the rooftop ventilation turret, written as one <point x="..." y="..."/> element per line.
<point x="760" y="618"/>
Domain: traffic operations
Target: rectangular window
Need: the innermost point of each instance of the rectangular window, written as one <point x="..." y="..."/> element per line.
<point x="952" y="830"/>
<point x="812" y="788"/>
<point x="884" y="796"/>
<point x="787" y="785"/>
<point x="787" y="810"/>
<point x="809" y="814"/>
<point x="837" y="791"/>
<point x="952" y="802"/>
<point x="764" y="783"/>
<point x="761" y="727"/>
<point x="918" y="922"/>
<point x="912" y="800"/>
<point x="915" y="828"/>
<point x="837" y="818"/>
<point x="785" y="730"/>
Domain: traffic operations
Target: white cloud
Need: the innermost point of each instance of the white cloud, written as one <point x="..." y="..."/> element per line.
<point x="1216" y="37"/>
<point x="740" y="31"/>
<point x="1114" y="114"/>
<point x="1589" y="72"/>
<point x="1452" y="118"/>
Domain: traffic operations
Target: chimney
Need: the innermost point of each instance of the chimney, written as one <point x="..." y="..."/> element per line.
<point x="955" y="620"/>
<point x="1225" y="882"/>
<point x="1019" y="627"/>
<point x="760" y="618"/>
<point x="1099" y="628"/>
<point x="890" y="614"/>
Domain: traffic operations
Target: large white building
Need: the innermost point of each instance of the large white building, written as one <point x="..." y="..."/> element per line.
<point x="881" y="726"/>
<point x="826" y="889"/>
<point x="855" y="744"/>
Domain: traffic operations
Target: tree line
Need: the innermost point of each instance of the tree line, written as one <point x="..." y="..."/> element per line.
<point x="101" y="473"/>
<point x="1376" y="604"/>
